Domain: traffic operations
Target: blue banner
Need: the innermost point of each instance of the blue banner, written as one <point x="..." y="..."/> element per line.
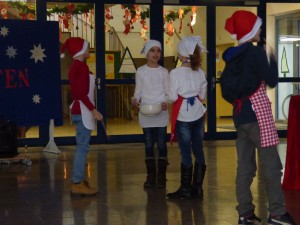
<point x="30" y="86"/>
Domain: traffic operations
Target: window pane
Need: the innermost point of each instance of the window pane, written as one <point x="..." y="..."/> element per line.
<point x="283" y="36"/>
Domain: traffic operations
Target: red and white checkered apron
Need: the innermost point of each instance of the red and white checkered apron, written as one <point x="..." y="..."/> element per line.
<point x="262" y="108"/>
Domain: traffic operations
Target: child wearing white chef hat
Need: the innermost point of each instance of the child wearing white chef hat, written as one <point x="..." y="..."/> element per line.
<point x="187" y="91"/>
<point x="151" y="85"/>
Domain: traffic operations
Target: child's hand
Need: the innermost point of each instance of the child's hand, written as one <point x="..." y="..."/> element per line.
<point x="134" y="102"/>
<point x="164" y="106"/>
<point x="97" y="115"/>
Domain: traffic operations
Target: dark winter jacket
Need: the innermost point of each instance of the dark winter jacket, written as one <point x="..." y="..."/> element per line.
<point x="254" y="68"/>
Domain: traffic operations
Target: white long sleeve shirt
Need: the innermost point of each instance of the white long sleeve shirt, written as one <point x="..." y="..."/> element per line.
<point x="188" y="83"/>
<point x="151" y="87"/>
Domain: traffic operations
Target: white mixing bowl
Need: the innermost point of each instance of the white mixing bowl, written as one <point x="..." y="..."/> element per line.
<point x="151" y="109"/>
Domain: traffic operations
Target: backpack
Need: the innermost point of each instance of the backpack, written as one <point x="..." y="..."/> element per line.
<point x="231" y="79"/>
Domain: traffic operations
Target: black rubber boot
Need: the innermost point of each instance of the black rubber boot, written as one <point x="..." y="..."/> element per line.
<point x="198" y="177"/>
<point x="161" y="176"/>
<point x="151" y="173"/>
<point x="185" y="189"/>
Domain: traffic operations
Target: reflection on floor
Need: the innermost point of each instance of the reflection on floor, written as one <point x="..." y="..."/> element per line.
<point x="39" y="194"/>
<point x="119" y="126"/>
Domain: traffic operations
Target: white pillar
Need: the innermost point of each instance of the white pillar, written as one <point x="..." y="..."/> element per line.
<point x="51" y="146"/>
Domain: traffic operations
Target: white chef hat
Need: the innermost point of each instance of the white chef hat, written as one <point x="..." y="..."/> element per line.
<point x="187" y="45"/>
<point x="148" y="45"/>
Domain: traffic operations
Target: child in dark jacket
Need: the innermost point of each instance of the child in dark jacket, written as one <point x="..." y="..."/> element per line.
<point x="253" y="119"/>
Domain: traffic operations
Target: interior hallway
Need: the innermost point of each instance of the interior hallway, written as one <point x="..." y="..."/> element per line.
<point x="39" y="194"/>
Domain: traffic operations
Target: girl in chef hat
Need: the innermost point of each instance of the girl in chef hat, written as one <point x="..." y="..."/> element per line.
<point x="187" y="91"/>
<point x="152" y="82"/>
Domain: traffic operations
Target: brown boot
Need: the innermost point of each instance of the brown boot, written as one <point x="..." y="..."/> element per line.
<point x="83" y="188"/>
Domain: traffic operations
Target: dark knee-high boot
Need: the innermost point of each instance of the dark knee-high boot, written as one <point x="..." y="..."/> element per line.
<point x="185" y="188"/>
<point x="198" y="177"/>
<point x="161" y="175"/>
<point x="151" y="173"/>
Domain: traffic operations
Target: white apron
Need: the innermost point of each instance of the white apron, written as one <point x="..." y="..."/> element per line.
<point x="87" y="116"/>
<point x="263" y="111"/>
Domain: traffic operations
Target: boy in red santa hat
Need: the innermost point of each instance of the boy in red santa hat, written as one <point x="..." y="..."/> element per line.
<point x="253" y="119"/>
<point x="83" y="111"/>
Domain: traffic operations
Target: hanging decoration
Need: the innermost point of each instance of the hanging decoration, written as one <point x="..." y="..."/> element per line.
<point x="170" y="32"/>
<point x="29" y="11"/>
<point x="107" y="18"/>
<point x="144" y="29"/>
<point x="180" y="16"/>
<point x="3" y="10"/>
<point x="25" y="11"/>
<point x="171" y="15"/>
<point x="65" y="19"/>
<point x="193" y="18"/>
<point x="132" y="14"/>
<point x="127" y="21"/>
<point x="66" y="16"/>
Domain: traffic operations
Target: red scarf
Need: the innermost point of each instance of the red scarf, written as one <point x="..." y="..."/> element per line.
<point x="174" y="115"/>
<point x="175" y="111"/>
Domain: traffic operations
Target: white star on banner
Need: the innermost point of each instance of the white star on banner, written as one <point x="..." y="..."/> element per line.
<point x="38" y="53"/>
<point x="36" y="99"/>
<point x="4" y="31"/>
<point x="11" y="52"/>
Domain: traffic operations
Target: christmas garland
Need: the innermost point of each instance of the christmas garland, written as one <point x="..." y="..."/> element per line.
<point x="71" y="9"/>
<point x="25" y="9"/>
<point x="22" y="7"/>
<point x="172" y="15"/>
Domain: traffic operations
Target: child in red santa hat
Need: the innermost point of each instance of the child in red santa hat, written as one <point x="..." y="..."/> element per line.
<point x="83" y="111"/>
<point x="253" y="119"/>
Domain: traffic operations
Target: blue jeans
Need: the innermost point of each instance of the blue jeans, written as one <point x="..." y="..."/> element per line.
<point x="190" y="135"/>
<point x="152" y="135"/>
<point x="83" y="136"/>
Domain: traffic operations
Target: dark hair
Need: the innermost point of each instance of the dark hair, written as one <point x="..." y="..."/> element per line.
<point x="196" y="58"/>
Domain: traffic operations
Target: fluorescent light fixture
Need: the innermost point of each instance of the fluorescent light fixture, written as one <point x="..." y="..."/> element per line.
<point x="289" y="38"/>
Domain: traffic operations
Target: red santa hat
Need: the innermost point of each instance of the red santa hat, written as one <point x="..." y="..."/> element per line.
<point x="243" y="25"/>
<point x="75" y="46"/>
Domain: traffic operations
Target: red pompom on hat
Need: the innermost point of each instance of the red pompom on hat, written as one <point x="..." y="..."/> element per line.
<point x="75" y="46"/>
<point x="243" y="25"/>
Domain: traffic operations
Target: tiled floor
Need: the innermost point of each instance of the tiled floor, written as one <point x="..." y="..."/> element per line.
<point x="39" y="194"/>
